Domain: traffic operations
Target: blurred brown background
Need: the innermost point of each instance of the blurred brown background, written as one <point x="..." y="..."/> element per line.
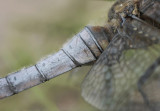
<point x="32" y="29"/>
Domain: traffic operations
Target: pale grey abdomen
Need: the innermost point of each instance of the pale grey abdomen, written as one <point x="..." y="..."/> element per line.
<point x="83" y="48"/>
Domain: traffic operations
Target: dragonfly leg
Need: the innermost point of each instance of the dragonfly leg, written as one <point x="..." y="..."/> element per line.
<point x="144" y="78"/>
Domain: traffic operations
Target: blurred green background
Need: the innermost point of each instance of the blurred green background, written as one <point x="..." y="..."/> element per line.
<point x="32" y="29"/>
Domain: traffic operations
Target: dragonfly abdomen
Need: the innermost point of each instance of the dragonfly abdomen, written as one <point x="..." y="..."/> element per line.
<point x="83" y="48"/>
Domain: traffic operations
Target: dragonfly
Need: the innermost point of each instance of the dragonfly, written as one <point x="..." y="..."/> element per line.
<point x="126" y="53"/>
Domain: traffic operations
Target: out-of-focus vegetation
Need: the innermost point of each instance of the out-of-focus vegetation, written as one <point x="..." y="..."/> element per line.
<point x="32" y="29"/>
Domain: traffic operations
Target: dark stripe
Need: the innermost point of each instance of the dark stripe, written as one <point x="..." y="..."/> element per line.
<point x="95" y="41"/>
<point x="88" y="46"/>
<point x="11" y="87"/>
<point x="43" y="76"/>
<point x="72" y="58"/>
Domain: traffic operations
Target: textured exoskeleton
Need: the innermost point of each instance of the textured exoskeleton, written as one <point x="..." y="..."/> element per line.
<point x="127" y="50"/>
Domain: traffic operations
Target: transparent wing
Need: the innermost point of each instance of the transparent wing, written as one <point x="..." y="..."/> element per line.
<point x="111" y="85"/>
<point x="98" y="86"/>
<point x="126" y="76"/>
